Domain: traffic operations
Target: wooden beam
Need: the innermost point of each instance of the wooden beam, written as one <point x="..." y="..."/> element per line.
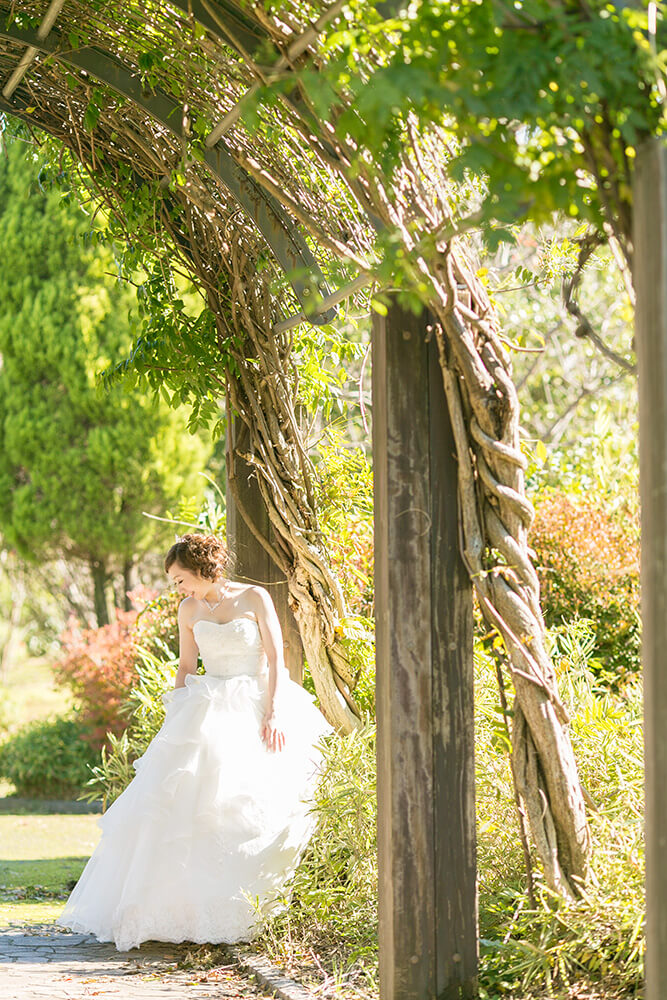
<point x="345" y="292"/>
<point x="252" y="563"/>
<point x="426" y="822"/>
<point x="650" y="280"/>
<point x="227" y="21"/>
<point x="30" y="53"/>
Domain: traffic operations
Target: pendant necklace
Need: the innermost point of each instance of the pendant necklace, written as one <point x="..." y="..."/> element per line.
<point x="212" y="607"/>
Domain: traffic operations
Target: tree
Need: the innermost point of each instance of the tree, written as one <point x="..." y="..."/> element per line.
<point x="78" y="467"/>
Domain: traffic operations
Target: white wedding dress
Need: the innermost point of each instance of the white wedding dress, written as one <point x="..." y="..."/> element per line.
<point x="201" y="842"/>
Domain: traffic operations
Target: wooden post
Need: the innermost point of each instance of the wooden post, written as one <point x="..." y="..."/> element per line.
<point x="252" y="563"/>
<point x="426" y="817"/>
<point x="650" y="280"/>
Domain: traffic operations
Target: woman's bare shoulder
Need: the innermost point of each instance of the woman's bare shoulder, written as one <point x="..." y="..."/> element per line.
<point x="251" y="596"/>
<point x="186" y="611"/>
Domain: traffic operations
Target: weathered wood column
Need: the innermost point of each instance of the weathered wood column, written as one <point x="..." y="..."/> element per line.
<point x="252" y="563"/>
<point x="650" y="281"/>
<point x="426" y="817"/>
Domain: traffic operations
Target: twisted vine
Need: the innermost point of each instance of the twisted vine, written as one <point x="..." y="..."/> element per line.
<point x="260" y="382"/>
<point x="495" y="521"/>
<point x="494" y="510"/>
<point x="495" y="517"/>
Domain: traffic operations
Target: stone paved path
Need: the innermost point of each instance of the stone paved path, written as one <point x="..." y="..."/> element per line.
<point x="49" y="964"/>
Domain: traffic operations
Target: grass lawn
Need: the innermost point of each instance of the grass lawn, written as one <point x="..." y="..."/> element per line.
<point x="40" y="859"/>
<point x="28" y="692"/>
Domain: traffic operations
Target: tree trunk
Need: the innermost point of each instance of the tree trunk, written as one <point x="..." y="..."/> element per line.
<point x="99" y="574"/>
<point x="128" y="566"/>
<point x="326" y="659"/>
<point x="18" y="600"/>
<point x="310" y="602"/>
<point x="252" y="563"/>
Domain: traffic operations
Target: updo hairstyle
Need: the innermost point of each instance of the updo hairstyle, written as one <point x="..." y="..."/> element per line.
<point x="203" y="554"/>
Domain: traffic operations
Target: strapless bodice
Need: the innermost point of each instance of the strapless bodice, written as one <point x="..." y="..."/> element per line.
<point x="230" y="648"/>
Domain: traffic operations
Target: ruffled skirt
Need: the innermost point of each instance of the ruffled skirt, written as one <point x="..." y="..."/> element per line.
<point x="200" y="844"/>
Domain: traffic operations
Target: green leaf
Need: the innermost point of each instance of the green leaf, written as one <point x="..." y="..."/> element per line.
<point x="91" y="117"/>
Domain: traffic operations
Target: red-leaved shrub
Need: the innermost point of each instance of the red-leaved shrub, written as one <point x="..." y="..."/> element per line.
<point x="99" y="664"/>
<point x="588" y="566"/>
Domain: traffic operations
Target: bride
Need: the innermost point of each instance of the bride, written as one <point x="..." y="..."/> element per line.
<point x="200" y="844"/>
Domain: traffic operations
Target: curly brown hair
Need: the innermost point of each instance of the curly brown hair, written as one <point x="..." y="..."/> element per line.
<point x="203" y="554"/>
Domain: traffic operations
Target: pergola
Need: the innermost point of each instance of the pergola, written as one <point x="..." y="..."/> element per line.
<point x="51" y="59"/>
<point x="140" y="92"/>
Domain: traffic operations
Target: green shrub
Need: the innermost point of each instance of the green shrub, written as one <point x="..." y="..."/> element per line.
<point x="344" y="494"/>
<point x="597" y="940"/>
<point x="144" y="707"/>
<point x="48" y="758"/>
<point x="114" y="771"/>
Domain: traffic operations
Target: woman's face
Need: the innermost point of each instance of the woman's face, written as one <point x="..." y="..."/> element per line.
<point x="187" y="582"/>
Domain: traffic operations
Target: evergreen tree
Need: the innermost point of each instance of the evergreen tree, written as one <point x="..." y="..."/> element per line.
<point x="78" y="467"/>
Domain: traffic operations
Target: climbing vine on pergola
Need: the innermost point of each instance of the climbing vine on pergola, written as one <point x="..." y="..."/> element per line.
<point x="160" y="104"/>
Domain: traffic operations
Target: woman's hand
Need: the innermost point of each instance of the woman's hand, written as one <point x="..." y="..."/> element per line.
<point x="272" y="734"/>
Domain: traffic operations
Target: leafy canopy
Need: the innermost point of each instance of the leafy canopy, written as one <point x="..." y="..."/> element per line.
<point x="549" y="100"/>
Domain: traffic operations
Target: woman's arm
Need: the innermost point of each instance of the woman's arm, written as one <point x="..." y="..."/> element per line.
<point x="187" y="647"/>
<point x="272" y="640"/>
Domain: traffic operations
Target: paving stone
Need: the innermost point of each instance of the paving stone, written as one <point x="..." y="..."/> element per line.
<point x="270" y="977"/>
<point x="53" y="964"/>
